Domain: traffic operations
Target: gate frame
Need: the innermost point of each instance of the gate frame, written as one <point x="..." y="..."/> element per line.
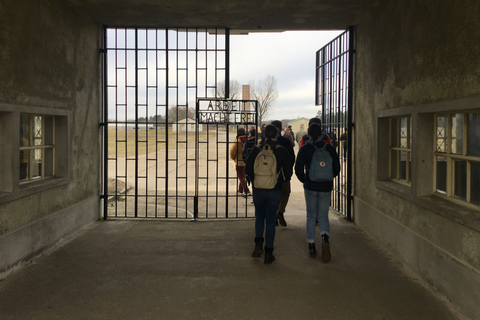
<point x="221" y="70"/>
<point x="321" y="90"/>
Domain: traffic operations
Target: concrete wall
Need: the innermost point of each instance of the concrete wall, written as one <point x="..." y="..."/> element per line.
<point x="417" y="58"/>
<point x="50" y="64"/>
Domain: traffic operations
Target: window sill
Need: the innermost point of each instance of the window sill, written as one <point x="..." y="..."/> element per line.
<point x="462" y="214"/>
<point x="32" y="188"/>
<point x="402" y="190"/>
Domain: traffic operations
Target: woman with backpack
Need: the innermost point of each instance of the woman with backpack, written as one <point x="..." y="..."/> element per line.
<point x="316" y="165"/>
<point x="268" y="166"/>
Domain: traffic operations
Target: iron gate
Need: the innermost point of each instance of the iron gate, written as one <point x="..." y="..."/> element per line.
<point x="334" y="70"/>
<point x="159" y="162"/>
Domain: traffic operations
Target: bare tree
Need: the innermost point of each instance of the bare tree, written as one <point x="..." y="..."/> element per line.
<point x="265" y="92"/>
<point x="234" y="87"/>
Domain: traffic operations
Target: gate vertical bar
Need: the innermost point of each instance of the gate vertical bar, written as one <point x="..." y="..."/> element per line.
<point x="351" y="51"/>
<point x="105" y="127"/>
<point x="136" y="125"/>
<point x="227" y="96"/>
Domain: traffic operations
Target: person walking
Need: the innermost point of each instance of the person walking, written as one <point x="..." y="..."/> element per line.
<point x="344" y="140"/>
<point x="292" y="133"/>
<point x="247" y="148"/>
<point x="236" y="155"/>
<point x="288" y="134"/>
<point x="317" y="178"/>
<point x="286" y="188"/>
<point x="249" y="144"/>
<point x="268" y="166"/>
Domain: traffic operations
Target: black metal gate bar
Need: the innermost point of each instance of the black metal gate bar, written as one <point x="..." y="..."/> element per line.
<point x="333" y="93"/>
<point x="152" y="77"/>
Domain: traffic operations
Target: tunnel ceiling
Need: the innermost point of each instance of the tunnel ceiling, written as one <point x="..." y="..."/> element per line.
<point x="238" y="15"/>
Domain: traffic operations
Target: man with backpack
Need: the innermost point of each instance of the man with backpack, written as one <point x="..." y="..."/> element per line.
<point x="316" y="166"/>
<point x="269" y="165"/>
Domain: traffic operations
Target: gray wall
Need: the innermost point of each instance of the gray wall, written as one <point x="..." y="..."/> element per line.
<point x="417" y="58"/>
<point x="49" y="64"/>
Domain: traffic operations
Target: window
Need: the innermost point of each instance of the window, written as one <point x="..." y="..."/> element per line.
<point x="400" y="159"/>
<point x="37" y="147"/>
<point x="457" y="156"/>
<point x="35" y="155"/>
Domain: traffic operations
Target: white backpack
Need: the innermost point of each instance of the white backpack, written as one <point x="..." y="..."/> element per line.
<point x="265" y="169"/>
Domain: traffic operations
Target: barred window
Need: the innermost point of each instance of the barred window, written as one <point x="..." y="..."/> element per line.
<point x="37" y="147"/>
<point x="457" y="156"/>
<point x="400" y="133"/>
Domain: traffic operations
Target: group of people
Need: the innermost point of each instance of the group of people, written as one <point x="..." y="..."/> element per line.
<point x="269" y="163"/>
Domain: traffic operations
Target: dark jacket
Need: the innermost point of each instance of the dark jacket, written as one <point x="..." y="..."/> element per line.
<point x="287" y="144"/>
<point x="304" y="157"/>
<point x="247" y="147"/>
<point x="283" y="161"/>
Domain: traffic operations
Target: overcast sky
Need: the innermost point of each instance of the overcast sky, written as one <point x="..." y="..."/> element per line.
<point x="290" y="58"/>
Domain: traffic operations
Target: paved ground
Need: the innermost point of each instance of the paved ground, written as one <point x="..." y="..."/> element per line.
<point x="160" y="269"/>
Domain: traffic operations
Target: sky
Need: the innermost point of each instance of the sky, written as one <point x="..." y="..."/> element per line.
<point x="289" y="57"/>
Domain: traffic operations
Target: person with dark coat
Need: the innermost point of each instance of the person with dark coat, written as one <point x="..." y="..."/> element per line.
<point x="286" y="188"/>
<point x="249" y="144"/>
<point x="266" y="201"/>
<point x="317" y="193"/>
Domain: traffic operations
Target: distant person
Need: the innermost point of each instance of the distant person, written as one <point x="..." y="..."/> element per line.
<point x="316" y="166"/>
<point x="249" y="144"/>
<point x="305" y="137"/>
<point x="236" y="155"/>
<point x="262" y="131"/>
<point x="288" y="134"/>
<point x="344" y="139"/>
<point x="292" y="133"/>
<point x="268" y="166"/>
<point x="247" y="149"/>
<point x="286" y="188"/>
<point x="333" y="137"/>
<point x="299" y="135"/>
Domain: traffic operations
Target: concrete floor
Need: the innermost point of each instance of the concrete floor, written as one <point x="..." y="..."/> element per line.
<point x="166" y="269"/>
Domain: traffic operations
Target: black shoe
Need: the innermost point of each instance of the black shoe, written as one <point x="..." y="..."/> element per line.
<point x="326" y="255"/>
<point x="269" y="257"/>
<point x="258" y="251"/>
<point x="312" y="251"/>
<point x="281" y="219"/>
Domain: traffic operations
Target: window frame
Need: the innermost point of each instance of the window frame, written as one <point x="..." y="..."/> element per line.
<point x="398" y="149"/>
<point x="32" y="147"/>
<point x="452" y="157"/>
<point x="11" y="187"/>
<point x="421" y="192"/>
